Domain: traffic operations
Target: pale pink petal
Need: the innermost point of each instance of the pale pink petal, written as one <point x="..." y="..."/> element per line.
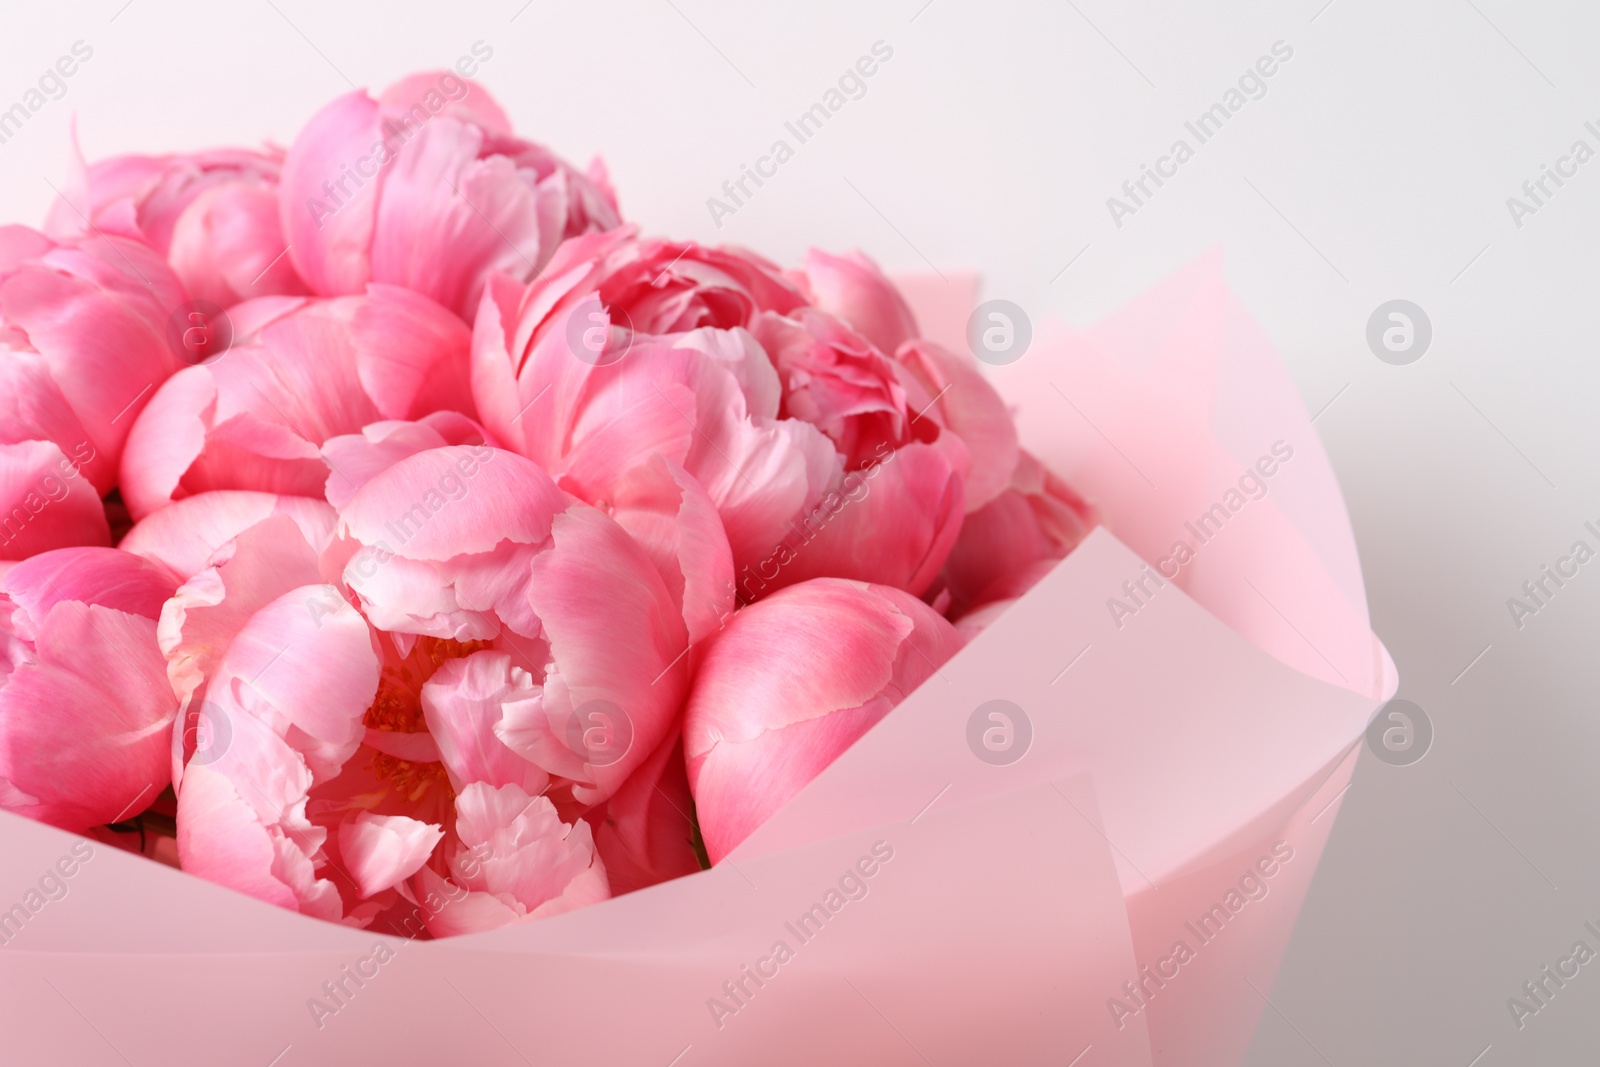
<point x="435" y="91"/>
<point x="328" y="219"/>
<point x="223" y="840"/>
<point x="183" y="536"/>
<point x="307" y="669"/>
<point x="448" y="218"/>
<point x="381" y="851"/>
<point x="199" y="624"/>
<point x="520" y="856"/>
<point x="228" y="245"/>
<point x="355" y="459"/>
<point x="448" y="502"/>
<point x="464" y="701"/>
<point x="616" y="642"/>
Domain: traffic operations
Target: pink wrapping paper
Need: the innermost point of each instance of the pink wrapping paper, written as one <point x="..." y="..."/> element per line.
<point x="1182" y="747"/>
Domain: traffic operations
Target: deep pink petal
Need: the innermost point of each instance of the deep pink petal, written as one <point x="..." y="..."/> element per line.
<point x="644" y="832"/>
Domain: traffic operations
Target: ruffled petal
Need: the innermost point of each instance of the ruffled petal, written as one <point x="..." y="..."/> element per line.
<point x="463" y="702"/>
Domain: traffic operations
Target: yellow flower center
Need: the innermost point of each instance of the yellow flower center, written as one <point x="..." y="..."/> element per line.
<point x="398" y="709"/>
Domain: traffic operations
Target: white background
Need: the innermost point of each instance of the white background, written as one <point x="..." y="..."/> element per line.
<point x="1377" y="166"/>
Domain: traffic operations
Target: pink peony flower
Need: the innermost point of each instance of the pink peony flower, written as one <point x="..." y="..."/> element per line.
<point x="626" y="349"/>
<point x="706" y="402"/>
<point x="83" y="345"/>
<point x="212" y="215"/>
<point x="300" y="372"/>
<point x="422" y="708"/>
<point x="85" y="709"/>
<point x="427" y="188"/>
<point x="791" y="683"/>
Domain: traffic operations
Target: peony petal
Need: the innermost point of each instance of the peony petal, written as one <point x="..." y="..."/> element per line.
<point x="185" y="535"/>
<point x="448" y="218"/>
<point x="327" y="223"/>
<point x="355" y="459"/>
<point x="43" y="507"/>
<point x="448" y="502"/>
<point x="464" y="701"/>
<point x="381" y="851"/>
<point x="644" y="832"/>
<point x="413" y="355"/>
<point x="106" y="577"/>
<point x="969" y="407"/>
<point x="228" y="245"/>
<point x="892" y="523"/>
<point x="790" y="683"/>
<point x="85" y="723"/>
<point x="221" y="839"/>
<point x="616" y="641"/>
<point x="674" y="521"/>
<point x="166" y="439"/>
<point x="855" y="289"/>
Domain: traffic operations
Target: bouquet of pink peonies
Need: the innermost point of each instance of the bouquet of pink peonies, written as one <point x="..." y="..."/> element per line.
<point x="396" y="536"/>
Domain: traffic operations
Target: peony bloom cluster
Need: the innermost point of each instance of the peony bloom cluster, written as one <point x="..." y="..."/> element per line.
<point x="398" y="536"/>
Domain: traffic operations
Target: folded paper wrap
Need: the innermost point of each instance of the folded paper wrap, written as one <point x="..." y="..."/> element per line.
<point x="1083" y="841"/>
